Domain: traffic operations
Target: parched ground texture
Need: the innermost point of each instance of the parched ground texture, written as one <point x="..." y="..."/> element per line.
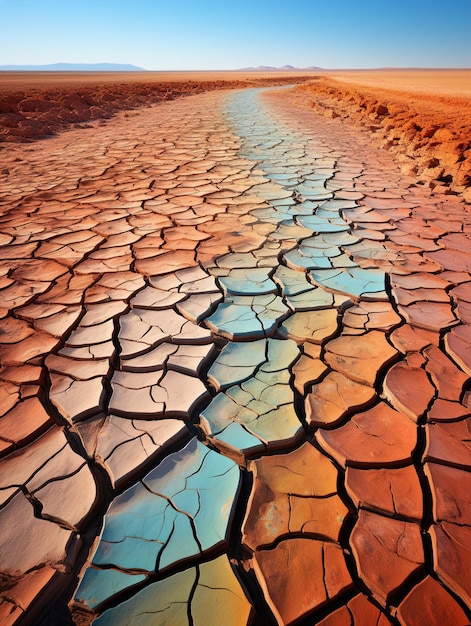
<point x="423" y="118"/>
<point x="41" y="104"/>
<point x="235" y="374"/>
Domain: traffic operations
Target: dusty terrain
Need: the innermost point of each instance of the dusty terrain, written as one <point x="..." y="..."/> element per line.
<point x="235" y="373"/>
<point x="36" y="105"/>
<point x="422" y="117"/>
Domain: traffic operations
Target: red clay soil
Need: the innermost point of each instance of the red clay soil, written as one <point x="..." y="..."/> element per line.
<point x="430" y="133"/>
<point x="423" y="117"/>
<point x="38" y="109"/>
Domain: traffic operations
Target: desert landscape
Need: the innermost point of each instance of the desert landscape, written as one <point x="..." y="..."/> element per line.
<point x="422" y="117"/>
<point x="235" y="348"/>
<point x="38" y="104"/>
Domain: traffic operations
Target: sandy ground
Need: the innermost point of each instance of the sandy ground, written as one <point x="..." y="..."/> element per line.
<point x="456" y="83"/>
<point x="422" y="117"/>
<point x="25" y="80"/>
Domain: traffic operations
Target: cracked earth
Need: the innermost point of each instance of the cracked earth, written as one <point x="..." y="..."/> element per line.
<point x="235" y="351"/>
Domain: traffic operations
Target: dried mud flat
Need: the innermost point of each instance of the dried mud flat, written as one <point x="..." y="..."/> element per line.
<point x="422" y="117"/>
<point x="40" y="104"/>
<point x="235" y="373"/>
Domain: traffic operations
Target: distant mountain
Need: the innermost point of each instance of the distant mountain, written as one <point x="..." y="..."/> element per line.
<point x="260" y="68"/>
<point x="284" y="68"/>
<point x="73" y="67"/>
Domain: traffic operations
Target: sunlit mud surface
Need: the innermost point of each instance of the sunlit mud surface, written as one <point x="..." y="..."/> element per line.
<point x="235" y="363"/>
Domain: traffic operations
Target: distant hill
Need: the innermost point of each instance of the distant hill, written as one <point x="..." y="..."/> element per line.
<point x="284" y="68"/>
<point x="73" y="67"/>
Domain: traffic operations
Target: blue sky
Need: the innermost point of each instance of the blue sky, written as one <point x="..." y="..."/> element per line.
<point x="231" y="34"/>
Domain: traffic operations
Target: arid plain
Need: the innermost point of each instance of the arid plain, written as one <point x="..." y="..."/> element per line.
<point x="235" y="348"/>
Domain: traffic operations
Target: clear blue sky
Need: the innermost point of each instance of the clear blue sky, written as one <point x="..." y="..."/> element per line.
<point x="230" y="34"/>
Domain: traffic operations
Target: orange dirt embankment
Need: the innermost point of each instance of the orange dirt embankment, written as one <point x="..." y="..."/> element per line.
<point x="424" y="118"/>
<point x="37" y="106"/>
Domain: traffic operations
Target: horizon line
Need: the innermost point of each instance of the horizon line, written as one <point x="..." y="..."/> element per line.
<point x="285" y="68"/>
